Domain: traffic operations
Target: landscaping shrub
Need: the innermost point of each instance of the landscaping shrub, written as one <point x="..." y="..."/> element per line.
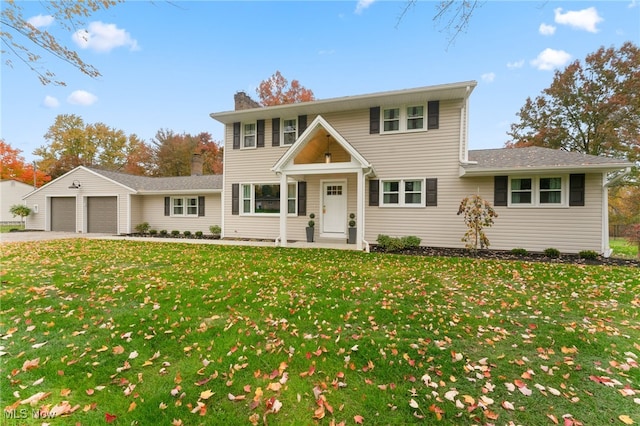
<point x="215" y="229"/>
<point x="187" y="234"/>
<point x="519" y="251"/>
<point x="143" y="227"/>
<point x="164" y="232"/>
<point x="175" y="233"/>
<point x="199" y="234"/>
<point x="552" y="252"/>
<point x="153" y="232"/>
<point x="392" y="244"/>
<point x="588" y="254"/>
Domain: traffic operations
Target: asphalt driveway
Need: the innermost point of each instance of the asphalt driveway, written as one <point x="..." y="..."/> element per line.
<point x="10" y="237"/>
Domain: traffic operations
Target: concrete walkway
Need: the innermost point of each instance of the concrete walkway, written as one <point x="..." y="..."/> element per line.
<point x="11" y="237"/>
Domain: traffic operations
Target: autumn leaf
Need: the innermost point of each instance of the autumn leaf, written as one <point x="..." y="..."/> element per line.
<point x="626" y="419"/>
<point x="109" y="418"/>
<point x="358" y="419"/>
<point x="206" y="394"/>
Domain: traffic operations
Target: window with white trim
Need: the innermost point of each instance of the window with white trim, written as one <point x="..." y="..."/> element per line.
<point x="264" y="198"/>
<point x="184" y="206"/>
<point x="289" y="131"/>
<point x="538" y="191"/>
<point x="403" y="119"/>
<point x="403" y="193"/>
<point x="249" y="131"/>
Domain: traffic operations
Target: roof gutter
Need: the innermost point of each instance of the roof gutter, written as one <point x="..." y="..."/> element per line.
<point x="617" y="177"/>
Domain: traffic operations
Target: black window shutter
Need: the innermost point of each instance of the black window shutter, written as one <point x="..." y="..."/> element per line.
<point x="275" y="132"/>
<point x="433" y="114"/>
<point x="374" y="192"/>
<point x="236" y="135"/>
<point x="576" y="190"/>
<point x="167" y="206"/>
<point x="200" y="206"/>
<point x="302" y="124"/>
<point x="500" y="190"/>
<point x="260" y="131"/>
<point x="302" y="198"/>
<point x="374" y="120"/>
<point x="432" y="192"/>
<point x="235" y="198"/>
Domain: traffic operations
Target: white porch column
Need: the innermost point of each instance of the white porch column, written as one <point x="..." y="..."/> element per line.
<point x="284" y="208"/>
<point x="360" y="210"/>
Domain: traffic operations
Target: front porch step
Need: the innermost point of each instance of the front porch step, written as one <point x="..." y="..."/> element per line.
<point x="326" y="240"/>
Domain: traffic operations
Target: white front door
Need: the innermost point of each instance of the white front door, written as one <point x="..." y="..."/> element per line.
<point x="334" y="208"/>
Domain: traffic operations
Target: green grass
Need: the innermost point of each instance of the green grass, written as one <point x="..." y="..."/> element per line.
<point x="8" y="228"/>
<point x="171" y="333"/>
<point x="622" y="247"/>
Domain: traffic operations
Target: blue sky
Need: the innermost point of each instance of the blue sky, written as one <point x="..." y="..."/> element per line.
<point x="168" y="65"/>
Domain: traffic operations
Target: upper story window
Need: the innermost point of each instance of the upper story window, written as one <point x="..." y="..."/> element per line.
<point x="403" y="119"/>
<point x="538" y="191"/>
<point x="249" y="135"/>
<point x="289" y="131"/>
<point x="403" y="192"/>
<point x="260" y="198"/>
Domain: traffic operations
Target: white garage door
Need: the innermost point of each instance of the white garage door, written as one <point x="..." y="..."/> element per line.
<point x="102" y="215"/>
<point x="63" y="214"/>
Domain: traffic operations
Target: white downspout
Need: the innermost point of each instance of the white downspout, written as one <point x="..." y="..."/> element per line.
<point x="367" y="247"/>
<point x="463" y="155"/>
<point x="284" y="209"/>
<point x="606" y="249"/>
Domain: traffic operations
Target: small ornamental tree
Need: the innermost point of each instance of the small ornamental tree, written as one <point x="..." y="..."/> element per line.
<point x="634" y="235"/>
<point x="20" y="210"/>
<point x="478" y="214"/>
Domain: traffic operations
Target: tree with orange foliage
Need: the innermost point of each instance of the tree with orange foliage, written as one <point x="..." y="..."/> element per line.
<point x="173" y="153"/>
<point x="276" y="91"/>
<point x="14" y="166"/>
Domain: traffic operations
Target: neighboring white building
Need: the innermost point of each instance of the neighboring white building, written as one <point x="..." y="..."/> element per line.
<point x="12" y="192"/>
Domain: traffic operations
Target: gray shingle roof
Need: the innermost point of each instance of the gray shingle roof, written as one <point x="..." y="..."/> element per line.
<point x="164" y="184"/>
<point x="538" y="159"/>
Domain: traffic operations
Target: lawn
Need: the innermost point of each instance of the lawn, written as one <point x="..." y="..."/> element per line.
<point x="139" y="333"/>
<point x="624" y="248"/>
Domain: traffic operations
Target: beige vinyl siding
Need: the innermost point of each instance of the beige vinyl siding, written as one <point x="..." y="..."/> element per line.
<point x="92" y="185"/>
<point x="152" y="210"/>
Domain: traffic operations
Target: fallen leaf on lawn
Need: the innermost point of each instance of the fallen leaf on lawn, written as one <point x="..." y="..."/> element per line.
<point x="38" y="345"/>
<point x="133" y="355"/>
<point x="451" y="395"/>
<point x="358" y="419"/>
<point x="132" y="407"/>
<point x="30" y="364"/>
<point x="507" y="405"/>
<point x="626" y="419"/>
<point x="553" y="418"/>
<point x="102" y="349"/>
<point x="162" y="406"/>
<point x="233" y="397"/>
<point x="413" y="403"/>
<point x="34" y="399"/>
<point x="65" y="392"/>
<point x="109" y="418"/>
<point x="206" y="394"/>
<point x="37" y="382"/>
<point x="176" y="422"/>
<point x="117" y="350"/>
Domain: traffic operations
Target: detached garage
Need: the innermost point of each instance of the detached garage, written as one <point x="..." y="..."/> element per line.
<point x="102" y="215"/>
<point x="63" y="214"/>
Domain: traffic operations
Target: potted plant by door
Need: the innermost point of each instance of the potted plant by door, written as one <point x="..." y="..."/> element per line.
<point x="352" y="229"/>
<point x="310" y="228"/>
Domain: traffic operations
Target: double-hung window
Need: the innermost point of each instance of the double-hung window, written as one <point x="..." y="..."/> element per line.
<point x="289" y="131"/>
<point x="184" y="206"/>
<point x="261" y="198"/>
<point x="536" y="191"/>
<point x="249" y="135"/>
<point x="403" y="193"/>
<point x="403" y="119"/>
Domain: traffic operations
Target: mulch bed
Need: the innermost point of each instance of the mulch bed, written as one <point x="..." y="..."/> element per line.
<point x="507" y="255"/>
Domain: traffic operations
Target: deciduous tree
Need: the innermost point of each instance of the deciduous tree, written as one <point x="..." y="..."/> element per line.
<point x="13" y="166"/>
<point x="591" y="107"/>
<point x="26" y="42"/>
<point x="478" y="214"/>
<point x="174" y="153"/>
<point x="276" y="91"/>
<point x="73" y="143"/>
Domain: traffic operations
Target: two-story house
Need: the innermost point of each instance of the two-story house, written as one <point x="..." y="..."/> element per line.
<point x="400" y="163"/>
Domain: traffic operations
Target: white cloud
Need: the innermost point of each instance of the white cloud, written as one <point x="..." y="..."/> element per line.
<point x="546" y="29"/>
<point x="488" y="77"/>
<point x="585" y="19"/>
<point x="362" y="5"/>
<point x="40" y="21"/>
<point x="50" y="102"/>
<point x="633" y="4"/>
<point x="549" y="59"/>
<point x="82" y="97"/>
<point x="103" y="37"/>
<point x="515" y="65"/>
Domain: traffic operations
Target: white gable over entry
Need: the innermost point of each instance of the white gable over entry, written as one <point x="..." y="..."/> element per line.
<point x="322" y="150"/>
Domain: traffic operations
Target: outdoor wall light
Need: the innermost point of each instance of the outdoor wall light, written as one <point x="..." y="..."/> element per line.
<point x="75" y="185"/>
<point x="327" y="155"/>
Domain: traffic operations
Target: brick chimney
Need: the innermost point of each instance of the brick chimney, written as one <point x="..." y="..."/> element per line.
<point x="244" y="101"/>
<point x="196" y="165"/>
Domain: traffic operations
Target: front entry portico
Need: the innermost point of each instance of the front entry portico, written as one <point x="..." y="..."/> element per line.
<point x="321" y="150"/>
